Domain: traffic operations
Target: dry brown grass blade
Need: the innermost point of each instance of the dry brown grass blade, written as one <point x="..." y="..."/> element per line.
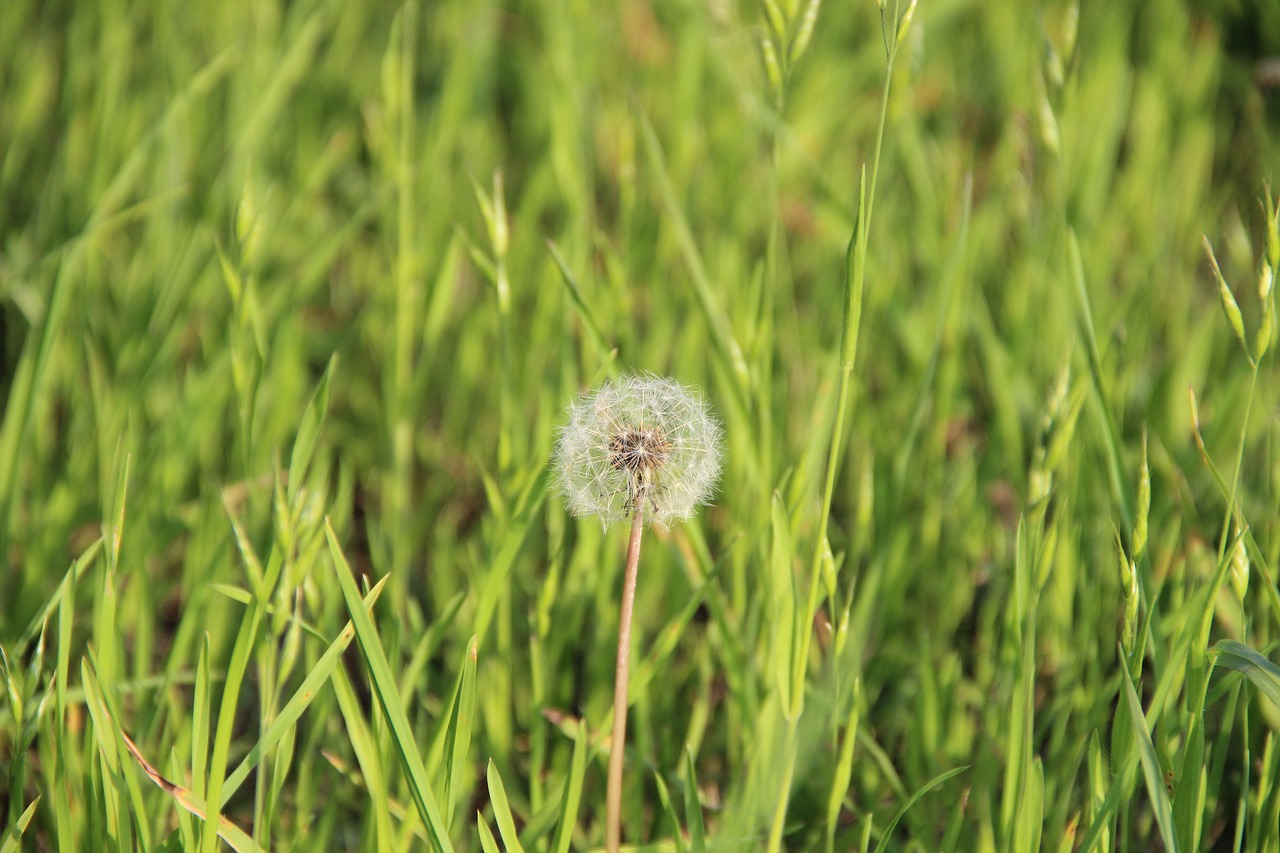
<point x="228" y="831"/>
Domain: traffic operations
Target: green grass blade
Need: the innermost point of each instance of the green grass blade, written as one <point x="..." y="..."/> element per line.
<point x="487" y="842"/>
<point x="844" y="764"/>
<point x="98" y="713"/>
<point x="246" y="638"/>
<point x="1151" y="770"/>
<point x="67" y="586"/>
<point x="502" y="810"/>
<point x="1188" y="797"/>
<point x="304" y="446"/>
<point x="66" y="621"/>
<point x="384" y="686"/>
<point x="572" y="791"/>
<point x="1260" y="671"/>
<point x="580" y="303"/>
<point x="367" y="756"/>
<point x="186" y="826"/>
<point x="1101" y="826"/>
<point x="693" y="807"/>
<point x="200" y="720"/>
<point x="716" y="320"/>
<point x="498" y="573"/>
<point x="664" y="795"/>
<point x="1110" y="433"/>
<point x="458" y="732"/>
<point x="298" y="703"/>
<point x="926" y="788"/>
<point x="13" y="838"/>
<point x="236" y="837"/>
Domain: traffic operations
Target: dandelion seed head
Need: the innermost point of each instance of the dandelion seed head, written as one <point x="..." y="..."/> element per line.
<point x="641" y="442"/>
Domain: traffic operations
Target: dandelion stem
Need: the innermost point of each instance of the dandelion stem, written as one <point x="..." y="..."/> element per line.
<point x="617" y="744"/>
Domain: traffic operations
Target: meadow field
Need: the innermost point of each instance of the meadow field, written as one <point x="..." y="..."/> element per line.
<point x="295" y="298"/>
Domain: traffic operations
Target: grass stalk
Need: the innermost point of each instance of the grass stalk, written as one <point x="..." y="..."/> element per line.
<point x="855" y="275"/>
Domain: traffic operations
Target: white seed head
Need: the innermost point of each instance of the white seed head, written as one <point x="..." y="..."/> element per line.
<point x="643" y="443"/>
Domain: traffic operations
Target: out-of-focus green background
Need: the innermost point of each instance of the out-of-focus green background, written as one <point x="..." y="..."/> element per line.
<point x="263" y="264"/>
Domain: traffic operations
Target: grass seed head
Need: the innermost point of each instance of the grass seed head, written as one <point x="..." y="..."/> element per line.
<point x="641" y="442"/>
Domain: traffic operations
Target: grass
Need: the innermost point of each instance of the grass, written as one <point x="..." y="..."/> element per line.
<point x="294" y="298"/>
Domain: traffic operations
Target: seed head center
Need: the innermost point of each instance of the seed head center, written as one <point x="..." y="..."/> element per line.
<point x="638" y="450"/>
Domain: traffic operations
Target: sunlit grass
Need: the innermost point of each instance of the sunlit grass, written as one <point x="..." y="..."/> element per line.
<point x="296" y="297"/>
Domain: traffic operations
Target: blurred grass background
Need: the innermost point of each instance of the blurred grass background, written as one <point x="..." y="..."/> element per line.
<point x="474" y="210"/>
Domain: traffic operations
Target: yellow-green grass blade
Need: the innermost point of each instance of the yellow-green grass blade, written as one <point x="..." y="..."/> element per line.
<point x="304" y="445"/>
<point x="498" y="574"/>
<point x="717" y="321"/>
<point x="200" y="720"/>
<point x="502" y="810"/>
<point x="579" y="302"/>
<point x="13" y="838"/>
<point x="368" y="756"/>
<point x="65" y="587"/>
<point x="1151" y="772"/>
<point x="298" y="703"/>
<point x="572" y="791"/>
<point x="246" y="638"/>
<point x="487" y="842"/>
<point x="457" y="739"/>
<point x="384" y="686"/>
<point x="844" y="765"/>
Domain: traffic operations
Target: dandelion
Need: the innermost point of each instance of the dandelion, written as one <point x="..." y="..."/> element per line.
<point x="643" y="447"/>
<point x="641" y="443"/>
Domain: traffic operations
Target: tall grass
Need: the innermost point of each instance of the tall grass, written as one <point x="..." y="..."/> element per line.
<point x="295" y="296"/>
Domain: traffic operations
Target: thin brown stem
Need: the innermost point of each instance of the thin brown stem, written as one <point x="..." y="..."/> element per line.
<point x="617" y="744"/>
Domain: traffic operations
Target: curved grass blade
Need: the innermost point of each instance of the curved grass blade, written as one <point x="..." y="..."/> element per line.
<point x="928" y="786"/>
<point x="1264" y="674"/>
